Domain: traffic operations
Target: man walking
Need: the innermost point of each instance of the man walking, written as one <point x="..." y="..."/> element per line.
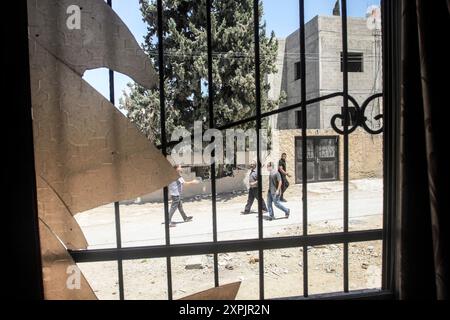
<point x="253" y="189"/>
<point x="273" y="195"/>
<point x="176" y="191"/>
<point x="284" y="175"/>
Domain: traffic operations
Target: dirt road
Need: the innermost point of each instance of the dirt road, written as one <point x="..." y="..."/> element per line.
<point x="142" y="224"/>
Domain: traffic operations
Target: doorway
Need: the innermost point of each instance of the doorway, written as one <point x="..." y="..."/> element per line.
<point x="322" y="159"/>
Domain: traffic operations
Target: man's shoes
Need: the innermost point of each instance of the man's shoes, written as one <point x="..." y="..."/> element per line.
<point x="283" y="200"/>
<point x="172" y="225"/>
<point x="271" y="218"/>
<point x="245" y="212"/>
<point x="188" y="219"/>
<point x="288" y="213"/>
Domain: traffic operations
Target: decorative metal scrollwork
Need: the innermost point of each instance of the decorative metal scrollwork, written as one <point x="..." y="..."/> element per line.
<point x="360" y="117"/>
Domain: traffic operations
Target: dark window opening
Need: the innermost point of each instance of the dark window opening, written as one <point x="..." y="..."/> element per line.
<point x="352" y="116"/>
<point x="355" y="62"/>
<point x="298" y="71"/>
<point x="298" y="119"/>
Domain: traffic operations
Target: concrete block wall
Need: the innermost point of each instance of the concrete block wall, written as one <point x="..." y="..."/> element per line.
<point x="323" y="69"/>
<point x="236" y="183"/>
<point x="290" y="85"/>
<point x="361" y="84"/>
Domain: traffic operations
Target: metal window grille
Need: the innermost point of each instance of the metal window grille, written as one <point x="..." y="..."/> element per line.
<point x="261" y="243"/>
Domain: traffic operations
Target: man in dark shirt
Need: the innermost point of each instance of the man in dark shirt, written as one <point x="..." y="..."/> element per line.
<point x="253" y="189"/>
<point x="284" y="175"/>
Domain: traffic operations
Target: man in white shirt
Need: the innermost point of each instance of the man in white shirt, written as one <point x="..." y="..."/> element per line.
<point x="176" y="191"/>
<point x="253" y="189"/>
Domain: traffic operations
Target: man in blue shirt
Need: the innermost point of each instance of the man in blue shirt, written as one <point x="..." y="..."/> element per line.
<point x="274" y="193"/>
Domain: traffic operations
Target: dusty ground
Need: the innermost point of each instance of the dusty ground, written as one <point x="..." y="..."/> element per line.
<point x="146" y="278"/>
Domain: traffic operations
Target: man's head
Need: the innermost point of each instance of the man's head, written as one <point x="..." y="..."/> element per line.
<point x="253" y="164"/>
<point x="270" y="166"/>
<point x="178" y="169"/>
<point x="284" y="156"/>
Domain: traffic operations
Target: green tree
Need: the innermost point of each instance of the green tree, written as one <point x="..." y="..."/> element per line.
<point x="185" y="67"/>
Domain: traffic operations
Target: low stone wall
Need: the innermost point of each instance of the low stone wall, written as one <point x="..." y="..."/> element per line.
<point x="235" y="183"/>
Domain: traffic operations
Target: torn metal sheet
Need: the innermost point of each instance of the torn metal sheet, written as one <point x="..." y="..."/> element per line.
<point x="63" y="279"/>
<point x="225" y="292"/>
<point x="58" y="218"/>
<point x="102" y="40"/>
<point x="87" y="153"/>
<point x="86" y="149"/>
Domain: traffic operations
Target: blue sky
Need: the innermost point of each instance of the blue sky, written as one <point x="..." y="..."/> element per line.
<point x="281" y="16"/>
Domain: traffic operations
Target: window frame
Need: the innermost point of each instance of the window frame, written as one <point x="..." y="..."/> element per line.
<point x="391" y="63"/>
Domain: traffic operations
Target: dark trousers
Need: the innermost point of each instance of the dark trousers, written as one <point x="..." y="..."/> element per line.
<point x="252" y="195"/>
<point x="176" y="204"/>
<point x="284" y="185"/>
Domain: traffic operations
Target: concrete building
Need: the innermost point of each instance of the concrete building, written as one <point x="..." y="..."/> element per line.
<point x="324" y="76"/>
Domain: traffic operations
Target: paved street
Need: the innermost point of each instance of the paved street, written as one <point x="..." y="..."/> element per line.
<point x="142" y="224"/>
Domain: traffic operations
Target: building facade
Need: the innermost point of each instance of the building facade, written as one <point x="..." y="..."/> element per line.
<point x="324" y="76"/>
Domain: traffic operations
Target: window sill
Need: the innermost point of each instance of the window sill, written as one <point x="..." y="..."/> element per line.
<point x="368" y="294"/>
